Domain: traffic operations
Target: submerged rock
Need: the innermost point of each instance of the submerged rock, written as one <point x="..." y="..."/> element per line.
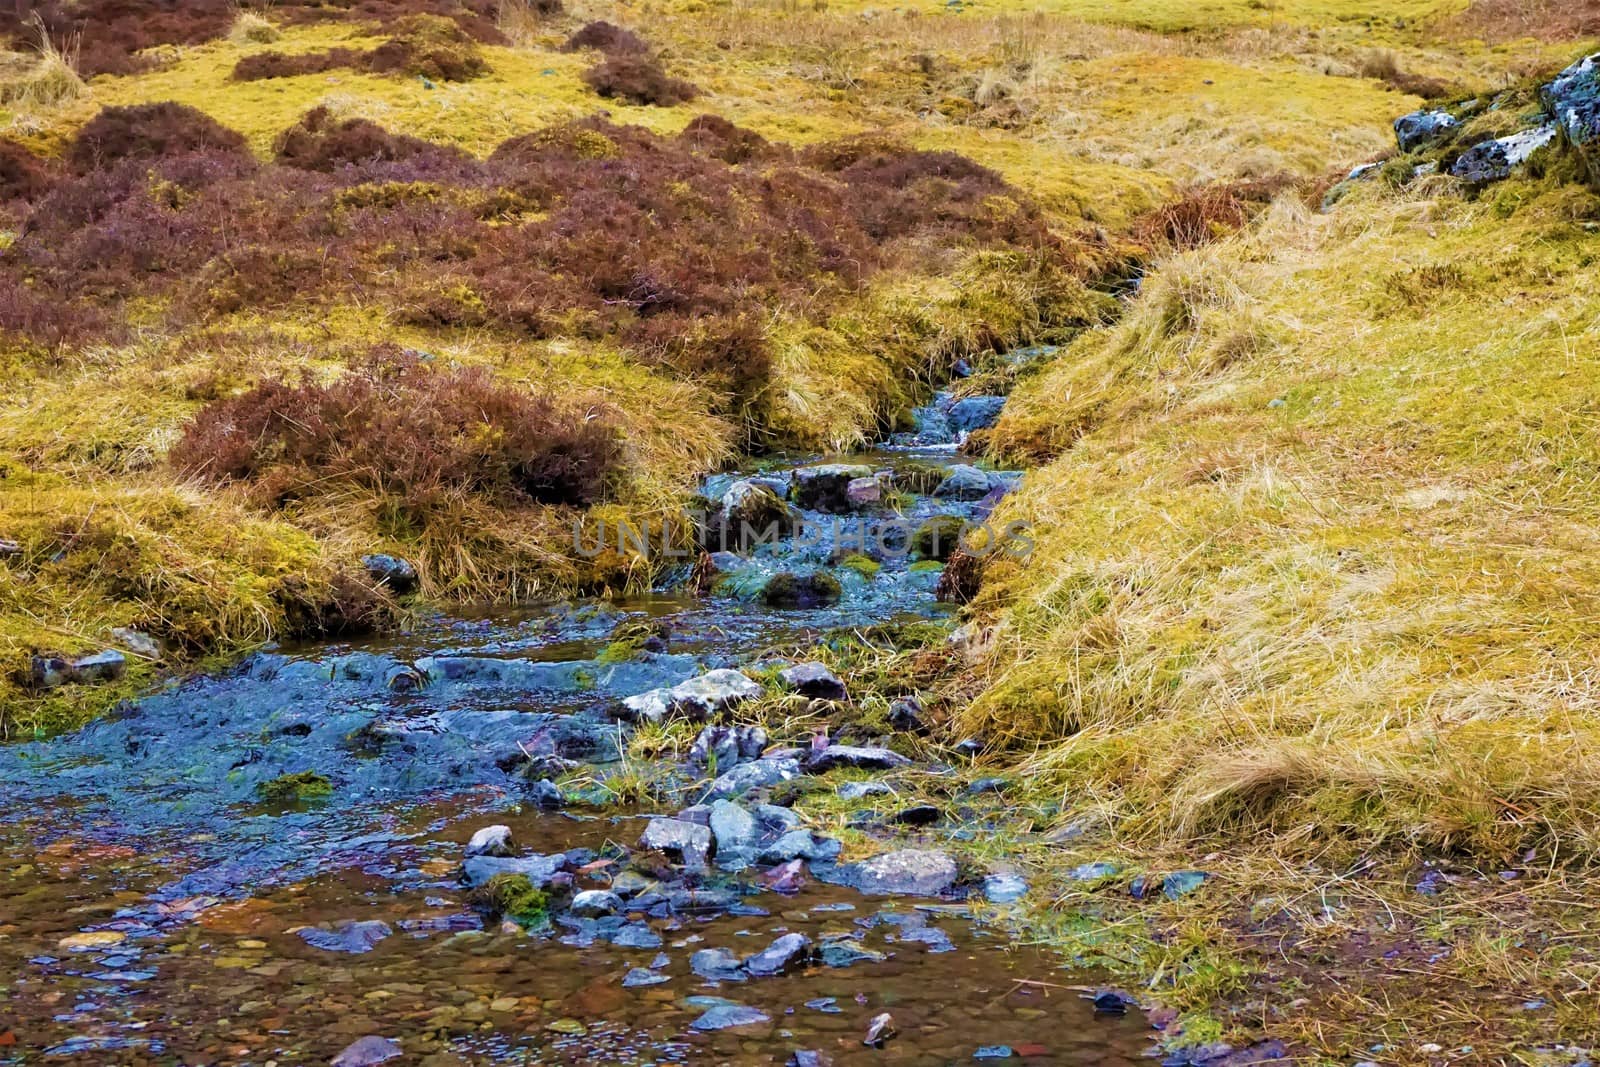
<point x="638" y="977"/>
<point x="790" y="950"/>
<point x="724" y="1016"/>
<point x="909" y="872"/>
<point x="845" y="952"/>
<point x="1004" y="888"/>
<point x="595" y="903"/>
<point x="813" y="680"/>
<point x="717" y="965"/>
<point x="368" y="1051"/>
<point x="539" y="870"/>
<point x="356" y="938"/>
<point x="879" y="1031"/>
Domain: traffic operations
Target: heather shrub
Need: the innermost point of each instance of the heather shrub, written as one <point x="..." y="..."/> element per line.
<point x="265" y="65"/>
<point x="144" y="131"/>
<point x="715" y="136"/>
<point x="403" y="428"/>
<point x="23" y="175"/>
<point x="605" y="37"/>
<point x="638" y="79"/>
<point x="321" y="142"/>
<point x="1205" y="214"/>
<point x="429" y="46"/>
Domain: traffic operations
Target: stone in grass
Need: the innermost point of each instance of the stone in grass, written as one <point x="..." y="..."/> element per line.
<point x="755" y="775"/>
<point x="353" y="937"/>
<point x="107" y="666"/>
<point x="368" y="1051"/>
<point x="397" y="574"/>
<point x="1094" y="872"/>
<point x="814" y="680"/>
<point x="726" y="1016"/>
<point x="492" y="841"/>
<point x="862" y="758"/>
<point x="1182" y="883"/>
<point x="909" y="872"/>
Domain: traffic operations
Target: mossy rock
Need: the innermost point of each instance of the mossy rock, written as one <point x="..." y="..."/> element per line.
<point x="938" y="538"/>
<point x="865" y="566"/>
<point x="514" y="897"/>
<point x="632" y="636"/>
<point x="295" y="788"/>
<point x="788" y="590"/>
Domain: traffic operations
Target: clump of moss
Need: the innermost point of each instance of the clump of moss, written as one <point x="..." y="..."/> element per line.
<point x="512" y="896"/>
<point x="865" y="566"/>
<point x="295" y="788"/>
<point x="632" y="636"/>
<point x="937" y="539"/>
<point x="788" y="590"/>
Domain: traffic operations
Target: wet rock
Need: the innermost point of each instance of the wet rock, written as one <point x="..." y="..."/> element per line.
<point x="750" y="514"/>
<point x="636" y="935"/>
<point x="689" y="843"/>
<point x="964" y="482"/>
<point x="814" y="680"/>
<point x="790" y="950"/>
<point x="699" y="814"/>
<point x="492" y="841"/>
<point x="717" y="965"/>
<point x="1418" y="128"/>
<point x="399" y="575"/>
<point x="879" y="1031"/>
<point x="775" y="819"/>
<point x="845" y="952"/>
<point x="698" y="698"/>
<point x="860" y="758"/>
<point x="810" y="1058"/>
<point x="905" y="715"/>
<point x="1094" y="872"/>
<point x="140" y="644"/>
<point x="546" y="795"/>
<point x="595" y="904"/>
<point x="975" y="413"/>
<point x="368" y="1051"/>
<point x="540" y="871"/>
<point x="723" y="747"/>
<point x="1004" y="888"/>
<point x="786" y="878"/>
<point x="864" y="493"/>
<point x="909" y="872"/>
<point x="1497" y="160"/>
<point x="801" y="844"/>
<point x="917" y="815"/>
<point x="1111" y="1002"/>
<point x="356" y="938"/>
<point x="107" y="666"/>
<point x="1182" y="883"/>
<point x="862" y="790"/>
<point x="638" y="977"/>
<point x="758" y="774"/>
<point x="48" y="672"/>
<point x="725" y="1016"/>
<point x="735" y="831"/>
<point x="827" y="487"/>
<point x="789" y="590"/>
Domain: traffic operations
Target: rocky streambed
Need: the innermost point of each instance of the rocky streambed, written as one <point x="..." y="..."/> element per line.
<point x="422" y="850"/>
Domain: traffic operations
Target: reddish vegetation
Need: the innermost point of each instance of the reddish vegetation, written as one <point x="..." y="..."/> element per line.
<point x="110" y="33"/>
<point x="1497" y="21"/>
<point x="147" y="131"/>
<point x="639" y="80"/>
<point x="678" y="247"/>
<point x="23" y="175"/>
<point x="405" y="429"/>
<point x="1205" y="214"/>
<point x="605" y="37"/>
<point x="424" y="46"/>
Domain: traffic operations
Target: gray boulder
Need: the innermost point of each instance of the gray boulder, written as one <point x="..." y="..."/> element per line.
<point x="1573" y="100"/>
<point x="736" y="833"/>
<point x="861" y="758"/>
<point x="492" y="841"/>
<point x="1420" y="127"/>
<point x="1494" y="161"/>
<point x="727" y="746"/>
<point x="717" y="965"/>
<point x="757" y="774"/>
<point x="699" y="698"/>
<point x="827" y="487"/>
<point x="964" y="482"/>
<point x="909" y="872"/>
<point x="748" y="511"/>
<point x="975" y="413"/>
<point x="596" y="903"/>
<point x="814" y="680"/>
<point x="689" y="843"/>
<point x="539" y="870"/>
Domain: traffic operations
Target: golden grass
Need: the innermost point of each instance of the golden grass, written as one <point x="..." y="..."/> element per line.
<point x="48" y="80"/>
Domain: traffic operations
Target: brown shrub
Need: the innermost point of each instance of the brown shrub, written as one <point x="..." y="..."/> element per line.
<point x="716" y="136"/>
<point x="146" y="131"/>
<point x="265" y="65"/>
<point x="405" y="429"/>
<point x="429" y="46"/>
<point x="1384" y="66"/>
<point x="604" y="37"/>
<point x="348" y="606"/>
<point x="1202" y="215"/>
<point x="638" y="79"/>
<point x="23" y="175"/>
<point x="962" y="578"/>
<point x="1499" y="21"/>
<point x="319" y="142"/>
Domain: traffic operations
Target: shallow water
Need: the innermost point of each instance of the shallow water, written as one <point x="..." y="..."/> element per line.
<point x="150" y="902"/>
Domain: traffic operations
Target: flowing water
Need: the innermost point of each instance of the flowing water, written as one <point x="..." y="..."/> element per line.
<point x="152" y="906"/>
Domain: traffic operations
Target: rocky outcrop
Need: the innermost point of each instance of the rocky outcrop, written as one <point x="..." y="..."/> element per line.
<point x="1422" y="127"/>
<point x="1497" y="160"/>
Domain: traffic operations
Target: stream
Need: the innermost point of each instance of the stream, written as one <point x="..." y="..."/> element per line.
<point x="164" y="901"/>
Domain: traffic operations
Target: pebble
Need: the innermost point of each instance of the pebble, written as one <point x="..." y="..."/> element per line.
<point x="368" y="1051"/>
<point x="724" y="1016"/>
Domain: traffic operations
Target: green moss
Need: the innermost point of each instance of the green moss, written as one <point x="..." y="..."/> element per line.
<point x="865" y="566"/>
<point x="937" y="539"/>
<point x="926" y="566"/>
<point x="295" y="788"/>
<point x="514" y="897"/>
<point x="788" y="590"/>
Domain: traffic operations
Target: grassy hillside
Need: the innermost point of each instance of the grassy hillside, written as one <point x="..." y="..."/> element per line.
<point x="1313" y="600"/>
